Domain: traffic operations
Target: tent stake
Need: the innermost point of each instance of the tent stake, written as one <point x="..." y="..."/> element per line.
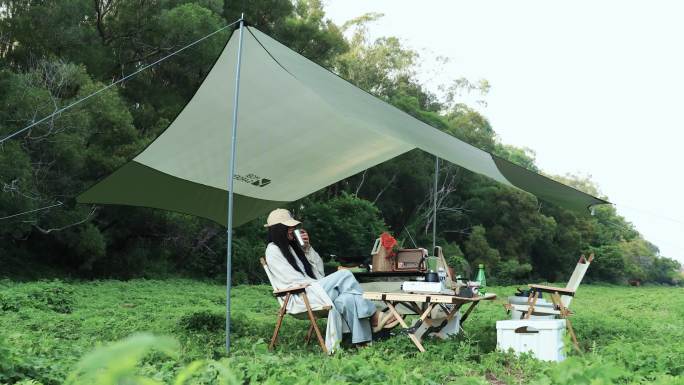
<point x="231" y="177"/>
<point x="434" y="207"/>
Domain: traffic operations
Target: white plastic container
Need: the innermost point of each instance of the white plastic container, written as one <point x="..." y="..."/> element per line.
<point x="542" y="338"/>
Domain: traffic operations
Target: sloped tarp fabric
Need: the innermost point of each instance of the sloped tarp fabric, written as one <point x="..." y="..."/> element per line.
<point x="300" y="128"/>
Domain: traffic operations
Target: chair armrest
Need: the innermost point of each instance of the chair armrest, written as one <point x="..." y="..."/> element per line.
<point x="552" y="289"/>
<point x="537" y="310"/>
<point x="291" y="290"/>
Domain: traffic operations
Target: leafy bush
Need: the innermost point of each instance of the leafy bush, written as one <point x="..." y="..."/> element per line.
<point x="54" y="296"/>
<point x="460" y="265"/>
<point x="202" y="321"/>
<point x="11" y="301"/>
<point x="575" y="371"/>
<point x="13" y="367"/>
<point x="665" y="270"/>
<point x="345" y="225"/>
<point x="118" y="364"/>
<point x="610" y="264"/>
<point x="511" y="271"/>
<point x="478" y="250"/>
<point x="201" y="333"/>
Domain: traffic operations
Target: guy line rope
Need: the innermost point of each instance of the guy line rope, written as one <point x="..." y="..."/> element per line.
<point x="10" y="136"/>
<point x="77" y="102"/>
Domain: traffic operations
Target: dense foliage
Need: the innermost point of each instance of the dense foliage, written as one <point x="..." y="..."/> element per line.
<point x="55" y="52"/>
<point x="629" y="335"/>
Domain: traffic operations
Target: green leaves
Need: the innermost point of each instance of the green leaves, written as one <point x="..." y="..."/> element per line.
<point x="116" y="363"/>
<point x="577" y="371"/>
<point x="346" y="225"/>
<point x="478" y="250"/>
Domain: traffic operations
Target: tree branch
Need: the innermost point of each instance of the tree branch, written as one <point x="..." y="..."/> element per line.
<point x="102" y="8"/>
<point x="48" y="231"/>
<point x="363" y="178"/>
<point x="448" y="186"/>
<point x="394" y="177"/>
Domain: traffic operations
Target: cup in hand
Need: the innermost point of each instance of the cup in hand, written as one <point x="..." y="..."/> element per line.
<point x="298" y="237"/>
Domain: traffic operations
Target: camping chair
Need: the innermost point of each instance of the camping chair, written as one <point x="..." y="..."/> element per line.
<point x="283" y="296"/>
<point x="441" y="262"/>
<point x="560" y="297"/>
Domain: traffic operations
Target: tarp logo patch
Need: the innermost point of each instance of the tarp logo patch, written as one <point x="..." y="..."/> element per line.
<point x="252" y="179"/>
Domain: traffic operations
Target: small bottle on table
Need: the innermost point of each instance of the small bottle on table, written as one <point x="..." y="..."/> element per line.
<point x="481" y="279"/>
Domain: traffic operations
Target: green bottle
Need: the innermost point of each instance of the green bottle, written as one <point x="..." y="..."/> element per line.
<point x="481" y="278"/>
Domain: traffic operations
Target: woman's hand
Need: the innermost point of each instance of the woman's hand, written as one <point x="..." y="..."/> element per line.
<point x="305" y="238"/>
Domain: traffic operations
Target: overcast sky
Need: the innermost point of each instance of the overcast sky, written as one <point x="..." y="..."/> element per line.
<point x="593" y="87"/>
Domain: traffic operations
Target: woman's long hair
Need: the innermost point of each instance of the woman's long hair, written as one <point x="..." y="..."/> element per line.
<point x="278" y="235"/>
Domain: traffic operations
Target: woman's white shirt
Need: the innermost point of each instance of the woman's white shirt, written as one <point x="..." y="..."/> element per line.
<point x="315" y="261"/>
<point x="284" y="275"/>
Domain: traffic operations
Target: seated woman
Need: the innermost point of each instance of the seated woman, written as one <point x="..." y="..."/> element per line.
<point x="291" y="265"/>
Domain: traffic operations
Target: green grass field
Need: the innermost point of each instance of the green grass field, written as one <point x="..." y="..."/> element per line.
<point x="630" y="335"/>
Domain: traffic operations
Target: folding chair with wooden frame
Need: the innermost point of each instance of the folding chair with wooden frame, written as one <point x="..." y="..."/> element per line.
<point x="560" y="297"/>
<point x="284" y="296"/>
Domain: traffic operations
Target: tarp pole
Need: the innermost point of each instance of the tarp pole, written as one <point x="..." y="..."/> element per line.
<point x="434" y="207"/>
<point x="231" y="177"/>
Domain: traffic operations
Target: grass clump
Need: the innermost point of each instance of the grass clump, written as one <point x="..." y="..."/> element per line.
<point x="54" y="296"/>
<point x="49" y="296"/>
<point x="202" y="321"/>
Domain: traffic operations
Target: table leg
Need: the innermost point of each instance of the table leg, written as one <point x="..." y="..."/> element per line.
<point x="470" y="310"/>
<point x="435" y="326"/>
<point x="452" y="313"/>
<point x="423" y="324"/>
<point x="412" y="336"/>
<point x="427" y="311"/>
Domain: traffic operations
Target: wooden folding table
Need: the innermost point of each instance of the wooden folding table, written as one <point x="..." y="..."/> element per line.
<point x="423" y="304"/>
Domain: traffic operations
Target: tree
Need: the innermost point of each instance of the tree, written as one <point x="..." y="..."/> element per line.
<point x="477" y="249"/>
<point x="55" y="160"/>
<point x="345" y="226"/>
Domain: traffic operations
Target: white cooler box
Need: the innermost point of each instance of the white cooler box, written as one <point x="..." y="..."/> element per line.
<point x="542" y="338"/>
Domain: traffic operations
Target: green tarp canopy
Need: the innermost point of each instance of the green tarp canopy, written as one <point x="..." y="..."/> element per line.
<point x="300" y="128"/>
